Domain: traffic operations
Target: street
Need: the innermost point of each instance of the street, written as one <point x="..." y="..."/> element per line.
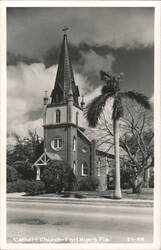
<point x="55" y="222"/>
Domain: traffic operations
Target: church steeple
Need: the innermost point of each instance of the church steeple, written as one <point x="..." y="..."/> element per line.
<point x="64" y="83"/>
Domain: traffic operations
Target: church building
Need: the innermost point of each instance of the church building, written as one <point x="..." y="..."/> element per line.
<point x="63" y="123"/>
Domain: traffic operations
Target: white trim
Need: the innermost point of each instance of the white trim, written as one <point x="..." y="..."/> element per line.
<point x="57" y="140"/>
<point x="74" y="167"/>
<point x="42" y="160"/>
<point x="83" y="174"/>
<point x="74" y="143"/>
<point x="99" y="170"/>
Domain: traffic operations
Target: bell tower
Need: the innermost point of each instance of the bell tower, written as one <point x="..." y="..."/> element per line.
<point x="63" y="116"/>
<point x="63" y="123"/>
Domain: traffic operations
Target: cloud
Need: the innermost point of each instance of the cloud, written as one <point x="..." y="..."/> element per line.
<point x="152" y="100"/>
<point x="82" y="82"/>
<point x="33" y="31"/>
<point x="91" y="95"/>
<point x="90" y="65"/>
<point x="25" y="90"/>
<point x="14" y="59"/>
<point x="92" y="62"/>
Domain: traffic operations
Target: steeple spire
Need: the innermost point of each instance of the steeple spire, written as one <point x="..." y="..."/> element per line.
<point x="64" y="82"/>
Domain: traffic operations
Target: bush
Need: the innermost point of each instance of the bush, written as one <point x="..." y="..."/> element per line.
<point x="35" y="187"/>
<point x="126" y="178"/>
<point x="30" y="187"/>
<point x="87" y="183"/>
<point x="12" y="174"/>
<point x="58" y="176"/>
<point x="69" y="180"/>
<point x="24" y="169"/>
<point x="16" y="186"/>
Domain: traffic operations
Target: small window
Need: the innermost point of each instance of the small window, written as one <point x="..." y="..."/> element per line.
<point x="99" y="167"/>
<point x="74" y="143"/>
<point x="77" y="114"/>
<point x="74" y="167"/>
<point x="55" y="143"/>
<point x="84" y="169"/>
<point x="57" y="116"/>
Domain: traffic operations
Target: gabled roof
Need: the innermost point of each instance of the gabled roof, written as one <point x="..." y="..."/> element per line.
<point x="105" y="154"/>
<point x="98" y="152"/>
<point x="65" y="79"/>
<point x="84" y="136"/>
<point x="45" y="157"/>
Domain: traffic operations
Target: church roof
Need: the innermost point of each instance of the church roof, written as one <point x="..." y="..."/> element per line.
<point x="98" y="151"/>
<point x="64" y="82"/>
<point x="103" y="153"/>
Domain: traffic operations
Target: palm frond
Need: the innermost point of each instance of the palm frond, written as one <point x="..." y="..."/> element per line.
<point x="105" y="76"/>
<point x="138" y="97"/>
<point x="117" y="108"/>
<point x="94" y="109"/>
<point x="108" y="88"/>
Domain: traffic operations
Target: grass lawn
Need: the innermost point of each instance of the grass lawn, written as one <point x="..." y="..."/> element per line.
<point x="146" y="194"/>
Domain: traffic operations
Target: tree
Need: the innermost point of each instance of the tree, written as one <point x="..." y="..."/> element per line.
<point x="12" y="174"/>
<point x="95" y="108"/>
<point x="57" y="176"/>
<point x="24" y="153"/>
<point x="137" y="143"/>
<point x="25" y="148"/>
<point x="24" y="170"/>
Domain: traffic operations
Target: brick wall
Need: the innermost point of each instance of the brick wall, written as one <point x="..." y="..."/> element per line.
<point x="83" y="146"/>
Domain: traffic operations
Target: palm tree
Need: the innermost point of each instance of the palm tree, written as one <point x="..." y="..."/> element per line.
<point x="95" y="108"/>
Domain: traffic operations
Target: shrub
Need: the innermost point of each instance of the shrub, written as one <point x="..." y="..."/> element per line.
<point x="30" y="187"/>
<point x="58" y="176"/>
<point x="24" y="169"/>
<point x="69" y="180"/>
<point x="87" y="183"/>
<point x="11" y="187"/>
<point x="16" y="186"/>
<point x="126" y="178"/>
<point x="12" y="174"/>
<point x="35" y="187"/>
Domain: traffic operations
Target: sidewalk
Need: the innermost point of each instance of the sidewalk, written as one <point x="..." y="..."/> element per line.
<point x="58" y="199"/>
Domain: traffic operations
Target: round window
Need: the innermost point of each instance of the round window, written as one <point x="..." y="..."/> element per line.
<point x="57" y="143"/>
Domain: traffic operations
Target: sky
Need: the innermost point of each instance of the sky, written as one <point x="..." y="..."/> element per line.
<point x="110" y="39"/>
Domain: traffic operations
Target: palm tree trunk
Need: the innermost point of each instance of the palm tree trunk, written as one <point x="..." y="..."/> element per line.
<point x="117" y="193"/>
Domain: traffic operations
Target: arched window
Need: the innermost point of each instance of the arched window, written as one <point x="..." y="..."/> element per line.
<point x="84" y="169"/>
<point x="74" y="167"/>
<point x="57" y="116"/>
<point x="74" y="143"/>
<point x="77" y="114"/>
<point x="99" y="167"/>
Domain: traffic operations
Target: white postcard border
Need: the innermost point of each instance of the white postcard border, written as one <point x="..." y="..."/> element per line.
<point x="157" y="121"/>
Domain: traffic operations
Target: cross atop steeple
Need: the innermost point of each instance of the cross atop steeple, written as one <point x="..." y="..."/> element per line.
<point x="65" y="29"/>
